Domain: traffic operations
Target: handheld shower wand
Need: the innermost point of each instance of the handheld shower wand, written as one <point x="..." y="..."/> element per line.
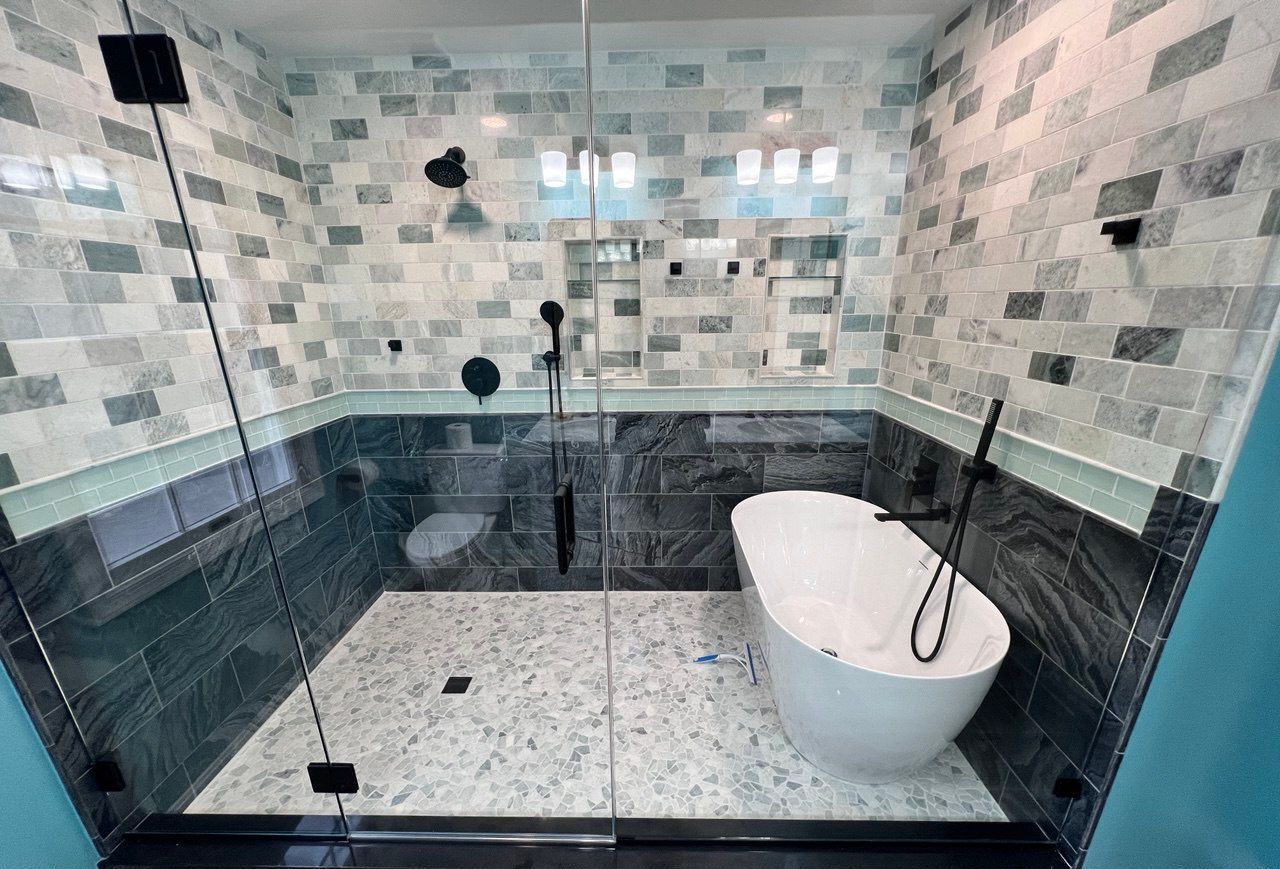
<point x="978" y="470"/>
<point x="561" y="475"/>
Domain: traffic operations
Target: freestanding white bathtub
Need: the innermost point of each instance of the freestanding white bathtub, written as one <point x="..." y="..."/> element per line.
<point x="819" y="573"/>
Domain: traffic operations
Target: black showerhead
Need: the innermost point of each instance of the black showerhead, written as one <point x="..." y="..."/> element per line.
<point x="447" y="170"/>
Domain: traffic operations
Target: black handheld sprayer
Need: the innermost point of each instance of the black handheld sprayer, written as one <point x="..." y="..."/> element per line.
<point x="978" y="470"/>
<point x="561" y="474"/>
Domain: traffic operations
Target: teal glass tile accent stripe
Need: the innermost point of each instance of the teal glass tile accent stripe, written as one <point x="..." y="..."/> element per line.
<point x="41" y="504"/>
<point x="1123" y="499"/>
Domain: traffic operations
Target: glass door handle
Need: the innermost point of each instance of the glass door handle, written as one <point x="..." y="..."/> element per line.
<point x="566" y="534"/>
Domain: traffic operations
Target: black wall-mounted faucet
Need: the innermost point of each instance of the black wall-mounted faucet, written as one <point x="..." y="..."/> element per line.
<point x="942" y="513"/>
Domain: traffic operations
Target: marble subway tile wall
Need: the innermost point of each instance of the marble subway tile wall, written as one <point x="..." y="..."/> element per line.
<point x="105" y="344"/>
<point x="236" y="153"/>
<point x="102" y="347"/>
<point x="461" y="273"/>
<point x="1037" y="122"/>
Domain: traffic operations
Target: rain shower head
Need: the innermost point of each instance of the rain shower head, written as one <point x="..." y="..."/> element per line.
<point x="446" y="170"/>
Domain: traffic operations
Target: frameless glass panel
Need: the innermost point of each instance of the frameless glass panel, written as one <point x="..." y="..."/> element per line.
<point x="382" y="226"/>
<point x="144" y="622"/>
<point x="758" y="155"/>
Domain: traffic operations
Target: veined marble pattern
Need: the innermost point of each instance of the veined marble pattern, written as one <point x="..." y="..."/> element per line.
<point x="530" y="737"/>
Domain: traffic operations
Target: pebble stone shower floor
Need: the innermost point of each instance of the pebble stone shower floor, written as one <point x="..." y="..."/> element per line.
<point x="531" y="734"/>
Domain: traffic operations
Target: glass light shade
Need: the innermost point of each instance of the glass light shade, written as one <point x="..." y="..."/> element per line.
<point x="824" y="164"/>
<point x="749" y="166"/>
<point x="624" y="169"/>
<point x="588" y="172"/>
<point x="554" y="168"/>
<point x="786" y="166"/>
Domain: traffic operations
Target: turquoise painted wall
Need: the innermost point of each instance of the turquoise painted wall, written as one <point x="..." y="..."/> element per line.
<point x="39" y="828"/>
<point x="1200" y="782"/>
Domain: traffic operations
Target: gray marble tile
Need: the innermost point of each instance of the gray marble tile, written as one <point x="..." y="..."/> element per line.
<point x="691" y="740"/>
<point x="1198" y="52"/>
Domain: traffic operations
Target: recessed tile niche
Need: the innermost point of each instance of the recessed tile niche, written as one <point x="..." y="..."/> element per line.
<point x="621" y="332"/>
<point x="805" y="274"/>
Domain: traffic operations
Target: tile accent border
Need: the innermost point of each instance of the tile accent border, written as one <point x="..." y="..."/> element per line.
<point x="1120" y="497"/>
<point x="41" y="504"/>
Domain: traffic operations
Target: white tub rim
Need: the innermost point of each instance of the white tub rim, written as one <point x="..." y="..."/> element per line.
<point x="1004" y="633"/>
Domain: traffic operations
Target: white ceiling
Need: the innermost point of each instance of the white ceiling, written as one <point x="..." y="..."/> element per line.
<point x="295" y="28"/>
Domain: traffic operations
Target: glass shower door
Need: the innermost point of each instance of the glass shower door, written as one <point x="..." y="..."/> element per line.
<point x="384" y="228"/>
<point x="144" y="620"/>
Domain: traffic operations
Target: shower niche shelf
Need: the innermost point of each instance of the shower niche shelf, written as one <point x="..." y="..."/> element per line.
<point x="621" y="332"/>
<point x="804" y="279"/>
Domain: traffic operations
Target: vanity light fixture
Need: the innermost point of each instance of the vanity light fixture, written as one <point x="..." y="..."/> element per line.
<point x="749" y="166"/>
<point x="554" y="168"/>
<point x="588" y="172"/>
<point x="824" y="164"/>
<point x="786" y="166"/>
<point x="624" y="169"/>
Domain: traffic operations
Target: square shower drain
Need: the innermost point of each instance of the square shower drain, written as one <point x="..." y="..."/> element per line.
<point x="456" y="685"/>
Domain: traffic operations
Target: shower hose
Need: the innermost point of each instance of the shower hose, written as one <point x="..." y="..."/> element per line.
<point x="980" y="469"/>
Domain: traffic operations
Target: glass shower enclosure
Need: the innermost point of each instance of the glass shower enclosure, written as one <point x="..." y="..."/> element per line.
<point x="345" y="498"/>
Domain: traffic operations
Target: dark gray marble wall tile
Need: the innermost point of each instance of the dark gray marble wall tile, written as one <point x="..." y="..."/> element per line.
<point x="342" y="441"/>
<point x="1032" y="524"/>
<point x="155" y="750"/>
<point x="233" y="553"/>
<point x="633" y="474"/>
<point x="429" y="549"/>
<point x="846" y="431"/>
<point x="762" y="432"/>
<point x="426" y="435"/>
<point x="116" y="705"/>
<point x="98" y="636"/>
<point x="354" y="569"/>
<point x="1020" y="668"/>
<point x="261" y="653"/>
<point x="391" y="514"/>
<point x="308" y="560"/>
<point x="180" y="655"/>
<point x="648" y="512"/>
<point x="550" y="579"/>
<point x="1064" y="711"/>
<point x="421" y="476"/>
<point x="705" y="548"/>
<point x="1087" y="644"/>
<point x="331" y="495"/>
<point x="827" y="472"/>
<point x="1110" y="568"/>
<point x="377" y="435"/>
<point x="652" y="433"/>
<point x="722" y="510"/>
<point x="1030" y="755"/>
<point x="56" y="571"/>
<point x="537" y="512"/>
<point x="658" y="578"/>
<point x="712" y="474"/>
<point x="472" y="579"/>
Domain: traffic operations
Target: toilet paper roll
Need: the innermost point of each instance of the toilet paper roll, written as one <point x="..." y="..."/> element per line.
<point x="457" y="436"/>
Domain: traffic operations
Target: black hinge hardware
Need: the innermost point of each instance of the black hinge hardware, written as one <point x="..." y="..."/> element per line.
<point x="143" y="68"/>
<point x="333" y="778"/>
<point x="108" y="776"/>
